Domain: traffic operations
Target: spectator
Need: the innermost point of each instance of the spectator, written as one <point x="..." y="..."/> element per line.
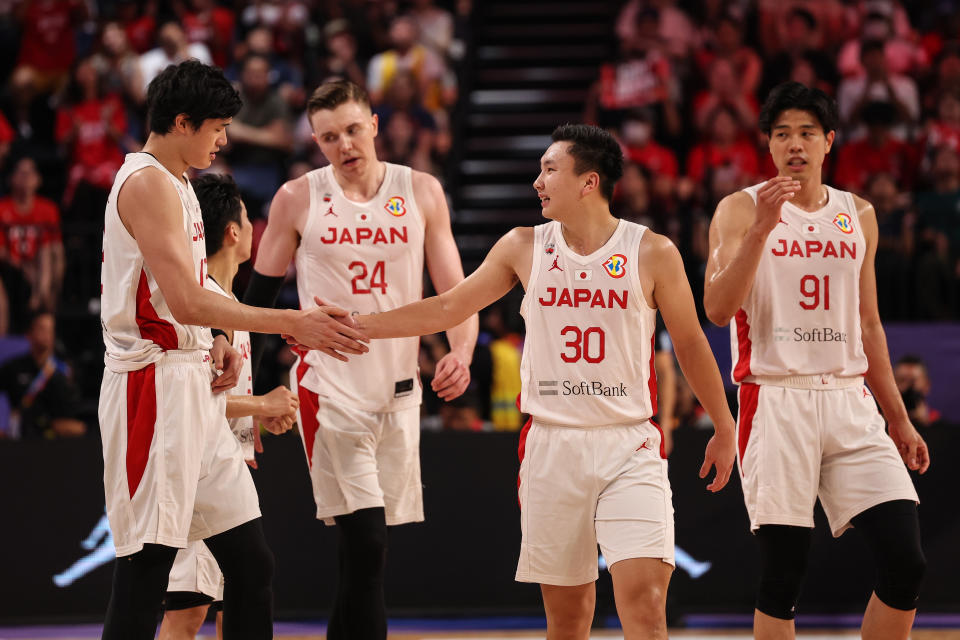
<point x="900" y="54"/>
<point x="877" y="84"/>
<point x="727" y="42"/>
<point x="435" y="26"/>
<point x="506" y="348"/>
<point x="284" y="18"/>
<point x="727" y="161"/>
<point x="284" y="77"/>
<point x="90" y="129"/>
<point x="938" y="222"/>
<point x="631" y="199"/>
<point x="174" y="48"/>
<point x="797" y="38"/>
<point x="944" y="128"/>
<point x="877" y="152"/>
<point x="636" y="134"/>
<point x="260" y="136"/>
<point x="139" y="22"/>
<point x="642" y="77"/>
<point x="119" y="65"/>
<point x="895" y="246"/>
<point x="6" y="138"/>
<point x="436" y="84"/>
<point x="673" y="27"/>
<point x="47" y="44"/>
<point x="31" y="249"/>
<point x="341" y="53"/>
<point x="43" y="399"/>
<point x="407" y="129"/>
<point x="30" y="117"/>
<point x="913" y="382"/>
<point x="212" y="25"/>
<point x="726" y="90"/>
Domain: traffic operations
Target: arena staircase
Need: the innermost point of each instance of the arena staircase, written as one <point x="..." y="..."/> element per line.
<point x="533" y="64"/>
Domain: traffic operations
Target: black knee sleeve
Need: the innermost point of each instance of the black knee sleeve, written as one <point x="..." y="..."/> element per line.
<point x="783" y="563"/>
<point x="892" y="530"/>
<point x="139" y="582"/>
<point x="247" y="565"/>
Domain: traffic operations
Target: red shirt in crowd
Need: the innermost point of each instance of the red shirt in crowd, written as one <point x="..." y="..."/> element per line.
<point x="740" y="155"/>
<point x="47" y="43"/>
<point x="93" y="147"/>
<point x="26" y="232"/>
<point x="655" y="158"/>
<point x="6" y="131"/>
<point x="858" y="160"/>
<point x="214" y="29"/>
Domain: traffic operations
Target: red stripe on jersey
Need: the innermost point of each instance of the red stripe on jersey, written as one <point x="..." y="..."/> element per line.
<point x="309" y="406"/>
<point x="742" y="370"/>
<point x="749" y="397"/>
<point x="151" y="326"/>
<point x="141" y="422"/>
<point x="522" y="448"/>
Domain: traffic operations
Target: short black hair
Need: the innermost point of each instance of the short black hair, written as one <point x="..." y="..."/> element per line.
<point x="220" y="204"/>
<point x="913" y="359"/>
<point x="593" y="149"/>
<point x="192" y="88"/>
<point x="796" y="95"/>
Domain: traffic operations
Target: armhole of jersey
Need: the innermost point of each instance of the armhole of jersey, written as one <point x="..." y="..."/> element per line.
<point x="538" y="233"/>
<point x="116" y="206"/>
<point x="634" y="274"/>
<point x="750" y="191"/>
<point x="852" y="203"/>
<point x="406" y="178"/>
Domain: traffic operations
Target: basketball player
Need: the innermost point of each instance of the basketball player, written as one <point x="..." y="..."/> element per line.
<point x="173" y="472"/>
<point x="593" y="468"/>
<point x="791" y="263"/>
<point x="360" y="230"/>
<point x="195" y="580"/>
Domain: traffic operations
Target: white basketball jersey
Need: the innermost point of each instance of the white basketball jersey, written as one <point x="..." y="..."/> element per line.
<point x="588" y="351"/>
<point x="364" y="257"/>
<point x="802" y="314"/>
<point x="137" y="324"/>
<point x="242" y="427"/>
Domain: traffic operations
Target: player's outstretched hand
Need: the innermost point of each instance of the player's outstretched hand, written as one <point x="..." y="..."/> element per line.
<point x="227" y="361"/>
<point x="324" y="329"/>
<point x="911" y="446"/>
<point x="720" y="453"/>
<point x="770" y="199"/>
<point x="452" y="377"/>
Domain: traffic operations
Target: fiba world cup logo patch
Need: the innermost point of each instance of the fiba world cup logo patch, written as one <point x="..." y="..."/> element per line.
<point x="844" y="223"/>
<point x="616" y="265"/>
<point x="395" y="206"/>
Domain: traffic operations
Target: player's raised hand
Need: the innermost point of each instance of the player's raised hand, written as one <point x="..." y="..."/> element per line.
<point x="911" y="446"/>
<point x="227" y="361"/>
<point x="451" y="378"/>
<point x="720" y="453"/>
<point x="325" y="329"/>
<point x="770" y="199"/>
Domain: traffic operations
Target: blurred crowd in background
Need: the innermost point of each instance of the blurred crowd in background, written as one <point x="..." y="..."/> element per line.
<point x="682" y="94"/>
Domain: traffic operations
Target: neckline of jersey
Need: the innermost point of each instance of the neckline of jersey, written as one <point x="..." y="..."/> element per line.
<point x="183" y="180"/>
<point x="380" y="190"/>
<point x="831" y="198"/>
<point x="584" y="259"/>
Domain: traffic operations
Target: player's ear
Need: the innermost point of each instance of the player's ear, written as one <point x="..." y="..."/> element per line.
<point x="831" y="135"/>
<point x="591" y="182"/>
<point x="181" y="124"/>
<point x="376" y="124"/>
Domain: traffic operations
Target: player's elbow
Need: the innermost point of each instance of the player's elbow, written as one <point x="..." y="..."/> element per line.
<point x="182" y="310"/>
<point x="719" y="314"/>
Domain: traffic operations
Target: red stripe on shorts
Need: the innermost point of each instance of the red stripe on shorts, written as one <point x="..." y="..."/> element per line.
<point x="742" y="368"/>
<point x="749" y="396"/>
<point x="309" y="406"/>
<point x="522" y="450"/>
<point x="141" y="422"/>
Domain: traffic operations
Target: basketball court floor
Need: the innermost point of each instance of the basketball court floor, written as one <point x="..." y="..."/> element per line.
<point x="940" y="628"/>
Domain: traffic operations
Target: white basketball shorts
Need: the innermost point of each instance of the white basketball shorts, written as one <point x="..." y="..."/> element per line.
<point x="172" y="469"/>
<point x="196" y="570"/>
<point x="580" y="487"/>
<point x="361" y="459"/>
<point x="804" y="437"/>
